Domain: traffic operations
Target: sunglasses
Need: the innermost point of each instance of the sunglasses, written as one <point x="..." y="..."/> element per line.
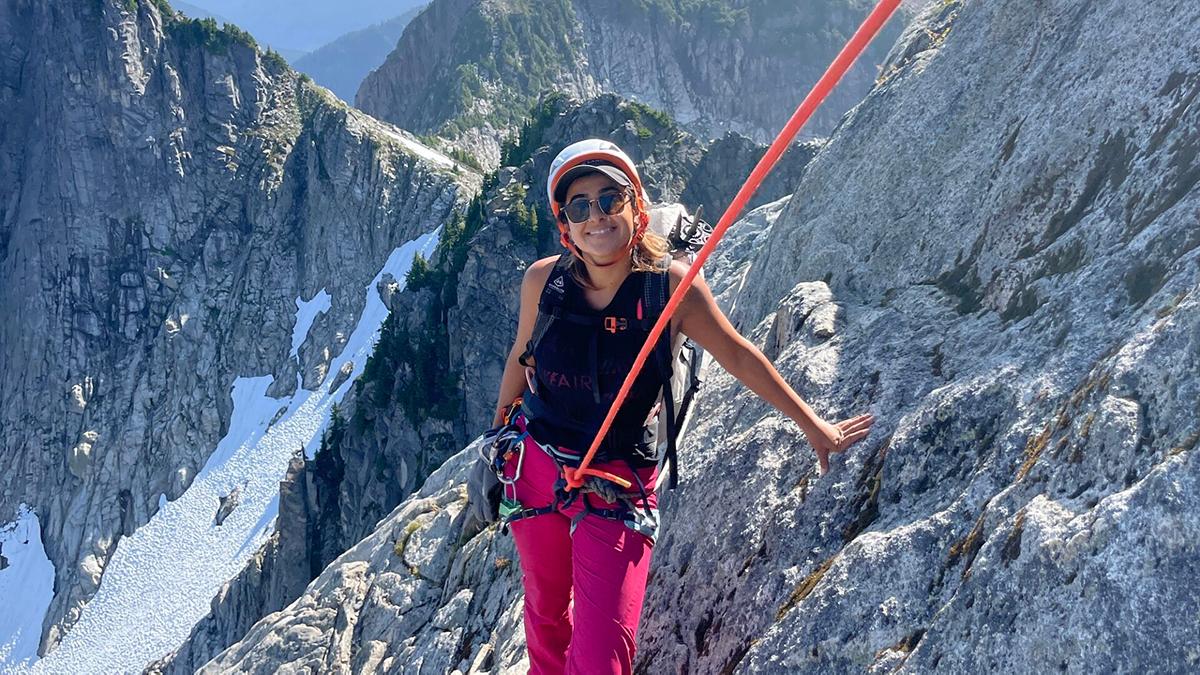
<point x="579" y="210"/>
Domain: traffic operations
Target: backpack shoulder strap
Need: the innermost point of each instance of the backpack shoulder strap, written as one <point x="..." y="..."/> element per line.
<point x="655" y="295"/>
<point x="550" y="306"/>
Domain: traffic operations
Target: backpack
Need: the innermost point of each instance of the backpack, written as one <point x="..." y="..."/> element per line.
<point x="685" y="235"/>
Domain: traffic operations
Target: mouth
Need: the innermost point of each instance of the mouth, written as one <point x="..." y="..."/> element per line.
<point x="602" y="231"/>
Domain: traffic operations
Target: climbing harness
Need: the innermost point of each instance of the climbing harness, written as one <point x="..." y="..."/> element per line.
<point x="511" y="446"/>
<point x="576" y="476"/>
<point x="506" y="444"/>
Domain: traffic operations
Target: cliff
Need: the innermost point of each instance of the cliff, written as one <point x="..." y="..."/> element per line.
<point x="169" y="197"/>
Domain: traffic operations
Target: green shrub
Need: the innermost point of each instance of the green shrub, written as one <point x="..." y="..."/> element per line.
<point x="464" y="157"/>
<point x="327" y="463"/>
<point x="165" y="9"/>
<point x="421" y="275"/>
<point x="641" y="113"/>
<point x="276" y="60"/>
<point x="207" y="34"/>
<point x="528" y="139"/>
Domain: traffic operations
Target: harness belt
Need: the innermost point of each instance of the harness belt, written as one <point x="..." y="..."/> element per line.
<point x="510" y="444"/>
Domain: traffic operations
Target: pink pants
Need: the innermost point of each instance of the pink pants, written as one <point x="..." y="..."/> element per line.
<point x="594" y="580"/>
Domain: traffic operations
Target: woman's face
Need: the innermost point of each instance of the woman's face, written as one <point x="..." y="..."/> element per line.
<point x="605" y="238"/>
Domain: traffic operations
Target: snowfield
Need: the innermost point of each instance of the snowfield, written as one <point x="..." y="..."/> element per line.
<point x="162" y="578"/>
<point x="26" y="587"/>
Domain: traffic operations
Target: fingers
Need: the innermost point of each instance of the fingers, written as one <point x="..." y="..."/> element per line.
<point x="853" y="430"/>
<point x="855" y="423"/>
<point x="848" y="432"/>
<point x="851" y="439"/>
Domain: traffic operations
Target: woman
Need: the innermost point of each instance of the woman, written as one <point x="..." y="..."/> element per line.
<point x="584" y="557"/>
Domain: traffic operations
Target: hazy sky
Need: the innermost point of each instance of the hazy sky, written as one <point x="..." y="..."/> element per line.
<point x="301" y="25"/>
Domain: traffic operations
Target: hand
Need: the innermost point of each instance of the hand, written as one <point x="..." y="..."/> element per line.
<point x="826" y="438"/>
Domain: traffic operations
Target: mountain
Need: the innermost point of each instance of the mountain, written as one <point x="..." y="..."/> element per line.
<point x="306" y="25"/>
<point x="469" y="70"/>
<point x="996" y="253"/>
<point x="342" y="64"/>
<point x="192" y="239"/>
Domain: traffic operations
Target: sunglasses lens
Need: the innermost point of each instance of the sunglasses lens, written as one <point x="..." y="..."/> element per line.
<point x="611" y="204"/>
<point x="578" y="210"/>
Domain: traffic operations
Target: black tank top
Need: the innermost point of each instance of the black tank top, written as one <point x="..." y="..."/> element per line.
<point x="578" y="363"/>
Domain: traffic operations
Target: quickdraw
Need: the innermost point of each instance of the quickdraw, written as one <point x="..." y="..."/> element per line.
<point x="507" y="440"/>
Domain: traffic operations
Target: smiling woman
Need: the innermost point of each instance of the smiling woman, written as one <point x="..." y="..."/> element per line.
<point x="585" y="554"/>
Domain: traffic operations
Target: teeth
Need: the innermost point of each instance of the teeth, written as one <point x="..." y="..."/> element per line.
<point x="604" y="231"/>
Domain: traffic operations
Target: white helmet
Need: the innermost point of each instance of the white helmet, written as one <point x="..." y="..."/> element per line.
<point x="592" y="151"/>
<point x="595" y="155"/>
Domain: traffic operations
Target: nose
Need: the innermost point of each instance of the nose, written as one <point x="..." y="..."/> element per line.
<point x="596" y="213"/>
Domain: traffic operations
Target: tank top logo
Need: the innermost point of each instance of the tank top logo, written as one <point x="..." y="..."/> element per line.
<point x="613" y="324"/>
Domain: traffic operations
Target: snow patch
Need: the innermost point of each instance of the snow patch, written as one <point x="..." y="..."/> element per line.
<point x="306" y="313"/>
<point x="422" y="151"/>
<point x="26" y="588"/>
<point x="162" y="578"/>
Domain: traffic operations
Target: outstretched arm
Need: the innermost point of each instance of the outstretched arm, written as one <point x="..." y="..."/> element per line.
<point x="700" y="319"/>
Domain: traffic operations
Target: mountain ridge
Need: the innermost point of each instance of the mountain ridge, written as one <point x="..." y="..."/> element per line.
<point x="470" y="69"/>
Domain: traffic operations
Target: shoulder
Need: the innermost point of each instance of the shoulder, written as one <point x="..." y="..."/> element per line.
<point x="676" y="272"/>
<point x="537" y="273"/>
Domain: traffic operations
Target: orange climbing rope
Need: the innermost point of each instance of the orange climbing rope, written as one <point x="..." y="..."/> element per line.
<point x="862" y="37"/>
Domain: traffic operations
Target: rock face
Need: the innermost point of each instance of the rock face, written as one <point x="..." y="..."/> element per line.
<point x="1012" y="293"/>
<point x="997" y="255"/>
<point x="414" y="596"/>
<point x="468" y="70"/>
<point x="166" y="195"/>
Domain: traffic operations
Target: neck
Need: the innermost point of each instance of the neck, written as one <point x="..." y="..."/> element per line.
<point x="605" y="275"/>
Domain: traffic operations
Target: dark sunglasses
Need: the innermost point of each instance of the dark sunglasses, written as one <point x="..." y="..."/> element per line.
<point x="579" y="210"/>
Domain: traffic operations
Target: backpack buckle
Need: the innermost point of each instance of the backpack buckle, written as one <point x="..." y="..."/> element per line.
<point x="613" y="324"/>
